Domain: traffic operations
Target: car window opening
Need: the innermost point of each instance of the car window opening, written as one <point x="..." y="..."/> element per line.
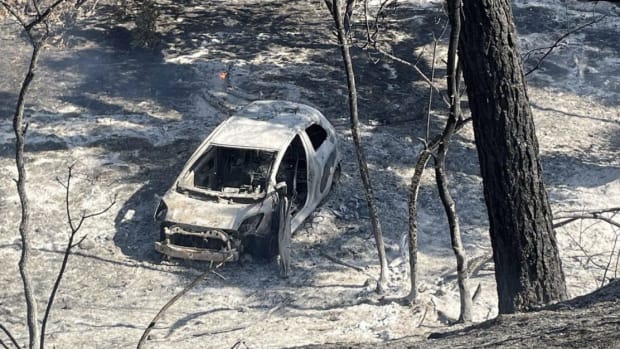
<point x="317" y="135"/>
<point x="294" y="171"/>
<point x="233" y="170"/>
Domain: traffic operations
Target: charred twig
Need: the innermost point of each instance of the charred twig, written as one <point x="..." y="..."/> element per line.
<point x="611" y="257"/>
<point x="341" y="262"/>
<point x="423" y="317"/>
<point x="74" y="229"/>
<point x="589" y="257"/>
<point x="371" y="38"/>
<point x="417" y="70"/>
<point x="556" y="43"/>
<point x="8" y="334"/>
<point x="173" y="300"/>
<point x="238" y="345"/>
<point x="597" y="211"/>
<point x="595" y="214"/>
<point x="477" y="292"/>
<point x="246" y="325"/>
<point x="414" y="189"/>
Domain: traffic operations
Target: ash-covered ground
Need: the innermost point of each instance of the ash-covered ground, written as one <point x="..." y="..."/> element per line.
<point x="129" y="118"/>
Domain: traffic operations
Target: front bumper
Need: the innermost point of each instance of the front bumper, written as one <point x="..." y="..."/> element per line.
<point x="198" y="244"/>
<point x="196" y="253"/>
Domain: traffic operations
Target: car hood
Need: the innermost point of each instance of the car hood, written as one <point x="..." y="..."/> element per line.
<point x="207" y="212"/>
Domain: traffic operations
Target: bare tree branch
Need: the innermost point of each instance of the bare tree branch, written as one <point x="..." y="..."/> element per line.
<point x="417" y="70"/>
<point x="613" y="210"/>
<point x="611" y="257"/>
<point x="586" y="215"/>
<point x="42" y="17"/>
<point x="341" y="262"/>
<point x="556" y="43"/>
<point x="8" y="334"/>
<point x="13" y="13"/>
<point x="173" y="300"/>
<point x="70" y="245"/>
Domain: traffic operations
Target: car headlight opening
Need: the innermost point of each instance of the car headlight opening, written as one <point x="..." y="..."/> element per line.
<point x="251" y="224"/>
<point x="161" y="211"/>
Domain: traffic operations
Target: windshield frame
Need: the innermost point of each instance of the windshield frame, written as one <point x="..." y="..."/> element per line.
<point x="185" y="180"/>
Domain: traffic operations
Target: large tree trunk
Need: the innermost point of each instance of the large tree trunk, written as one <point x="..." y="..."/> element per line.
<point x="527" y="264"/>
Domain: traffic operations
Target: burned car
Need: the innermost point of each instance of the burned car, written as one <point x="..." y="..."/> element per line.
<point x="227" y="200"/>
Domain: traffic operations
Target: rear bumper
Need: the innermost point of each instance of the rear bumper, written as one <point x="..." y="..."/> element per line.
<point x="196" y="253"/>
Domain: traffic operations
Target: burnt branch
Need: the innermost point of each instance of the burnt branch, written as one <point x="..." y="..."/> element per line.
<point x="174" y="299"/>
<point x="609" y="261"/>
<point x="42" y="17"/>
<point x="371" y="37"/>
<point x="13" y="13"/>
<point x="343" y="263"/>
<point x="556" y="44"/>
<point x="74" y="229"/>
<point x="413" y="198"/>
<point x="602" y="215"/>
<point x="417" y="70"/>
<point x="571" y="216"/>
<point x="8" y="334"/>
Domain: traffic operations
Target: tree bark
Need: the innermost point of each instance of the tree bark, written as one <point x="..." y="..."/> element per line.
<point x="355" y="131"/>
<point x="453" y="77"/>
<point x="528" y="269"/>
<point x="414" y="189"/>
<point x="24" y="226"/>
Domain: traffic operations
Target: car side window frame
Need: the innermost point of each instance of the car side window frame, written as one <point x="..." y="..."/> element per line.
<point x="317" y="134"/>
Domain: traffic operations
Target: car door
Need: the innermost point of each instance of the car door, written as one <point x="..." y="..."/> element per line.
<point x="323" y="160"/>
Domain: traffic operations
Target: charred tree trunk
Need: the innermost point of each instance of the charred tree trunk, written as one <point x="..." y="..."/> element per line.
<point x="338" y="15"/>
<point x="454" y="75"/>
<point x="19" y="128"/>
<point x="414" y="189"/>
<point x="527" y="263"/>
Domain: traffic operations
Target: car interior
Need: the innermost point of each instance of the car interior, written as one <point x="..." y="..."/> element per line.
<point x="233" y="170"/>
<point x="294" y="171"/>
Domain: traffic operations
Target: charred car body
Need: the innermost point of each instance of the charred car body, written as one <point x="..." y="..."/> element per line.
<point x="227" y="199"/>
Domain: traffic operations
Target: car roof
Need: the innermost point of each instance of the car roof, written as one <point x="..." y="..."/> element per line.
<point x="265" y="124"/>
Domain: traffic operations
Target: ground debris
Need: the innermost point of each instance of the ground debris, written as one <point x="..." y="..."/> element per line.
<point x="589" y="321"/>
